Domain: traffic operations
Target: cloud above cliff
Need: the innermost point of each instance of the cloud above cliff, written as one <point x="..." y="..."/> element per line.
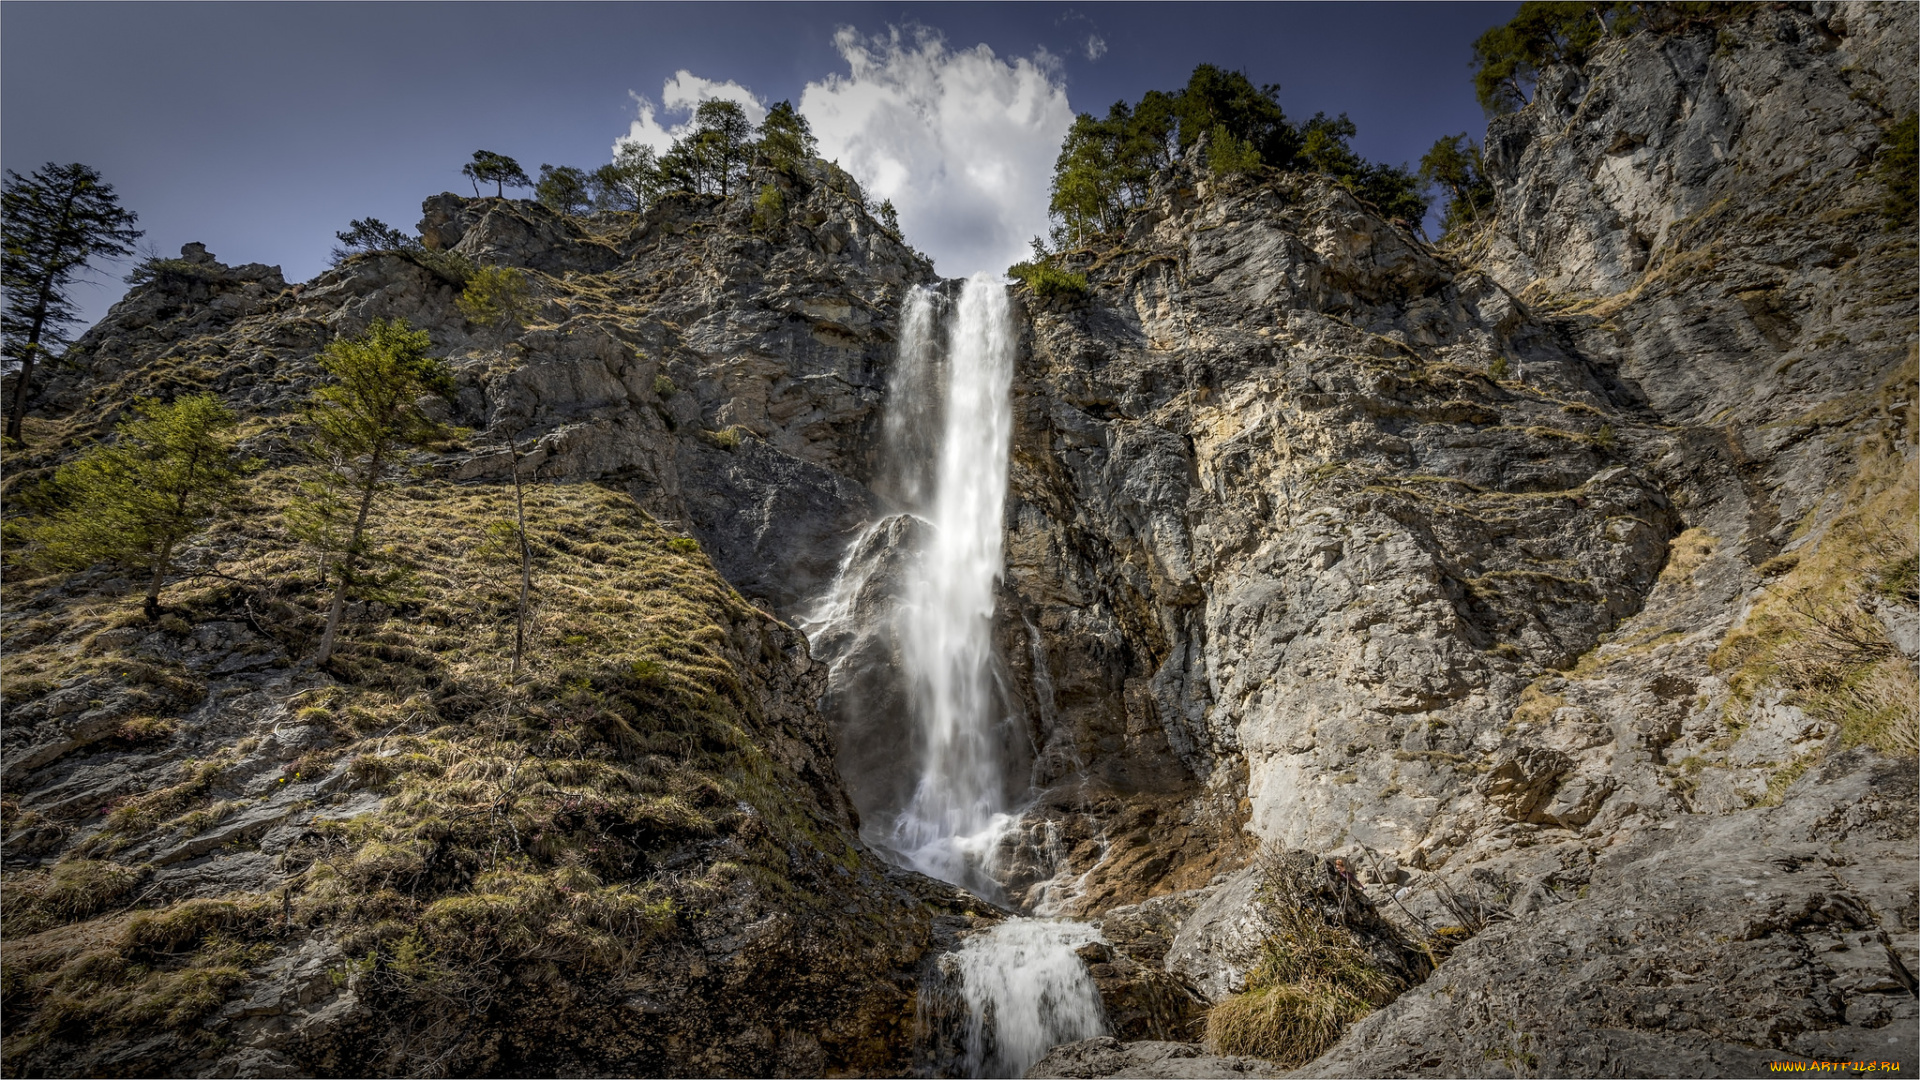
<point x="680" y="95"/>
<point x="961" y="141"/>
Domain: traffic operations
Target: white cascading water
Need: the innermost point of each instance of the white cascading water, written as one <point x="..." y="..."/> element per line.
<point x="911" y="427"/>
<point x="947" y="437"/>
<point x="960" y="804"/>
<point x="1026" y="993"/>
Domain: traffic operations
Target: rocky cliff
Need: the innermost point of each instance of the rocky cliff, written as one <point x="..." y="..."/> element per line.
<point x="1568" y="570"/>
<point x="639" y="857"/>
<point x="1560" y="582"/>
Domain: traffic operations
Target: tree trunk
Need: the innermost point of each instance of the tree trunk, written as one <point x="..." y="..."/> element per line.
<point x="152" y="605"/>
<point x="17" y="415"/>
<point x="339" y="604"/>
<point x="526" y="563"/>
<point x="164" y="561"/>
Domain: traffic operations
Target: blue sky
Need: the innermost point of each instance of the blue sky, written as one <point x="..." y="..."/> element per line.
<point x="259" y="129"/>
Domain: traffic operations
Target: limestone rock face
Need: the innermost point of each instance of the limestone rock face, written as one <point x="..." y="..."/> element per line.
<point x="1326" y="549"/>
<point x="1470" y="566"/>
<point x="1709" y="944"/>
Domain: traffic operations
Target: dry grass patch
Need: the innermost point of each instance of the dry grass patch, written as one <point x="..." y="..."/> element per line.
<point x="541" y="831"/>
<point x="1816" y="632"/>
<point x="1316" y="974"/>
<point x="161" y="970"/>
<point x="1685" y="554"/>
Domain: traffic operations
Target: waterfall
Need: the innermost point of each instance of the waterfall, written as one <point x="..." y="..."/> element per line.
<point x="960" y="804"/>
<point x="914" y="416"/>
<point x="930" y="741"/>
<point x="1026" y="992"/>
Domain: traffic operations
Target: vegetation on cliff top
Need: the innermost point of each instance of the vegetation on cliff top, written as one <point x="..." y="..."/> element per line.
<point x="1107" y="165"/>
<point x="1509" y="59"/>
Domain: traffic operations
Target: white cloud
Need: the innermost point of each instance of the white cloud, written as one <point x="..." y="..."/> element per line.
<point x="1096" y="46"/>
<point x="681" y="95"/>
<point x="961" y="141"/>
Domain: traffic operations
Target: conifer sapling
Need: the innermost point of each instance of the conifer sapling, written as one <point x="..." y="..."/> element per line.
<point x="133" y="501"/>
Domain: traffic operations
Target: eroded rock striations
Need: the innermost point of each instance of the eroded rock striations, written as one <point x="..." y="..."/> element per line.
<point x="1559" y="582"/>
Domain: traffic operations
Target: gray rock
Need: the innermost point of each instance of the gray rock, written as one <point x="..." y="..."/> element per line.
<point x="1716" y="946"/>
<point x="1108" y="1056"/>
<point x="1221" y="940"/>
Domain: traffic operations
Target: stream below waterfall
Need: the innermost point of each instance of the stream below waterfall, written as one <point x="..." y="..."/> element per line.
<point x="936" y="754"/>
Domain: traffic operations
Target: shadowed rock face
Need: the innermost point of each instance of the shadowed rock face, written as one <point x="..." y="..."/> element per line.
<point x="1467" y="566"/>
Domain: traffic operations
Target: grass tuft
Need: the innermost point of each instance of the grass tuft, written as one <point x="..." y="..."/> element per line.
<point x="1315" y="974"/>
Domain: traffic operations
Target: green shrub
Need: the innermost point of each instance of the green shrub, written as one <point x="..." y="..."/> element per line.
<point x="1230" y="156"/>
<point x="495" y="296"/>
<point x="1048" y="281"/>
<point x="769" y="210"/>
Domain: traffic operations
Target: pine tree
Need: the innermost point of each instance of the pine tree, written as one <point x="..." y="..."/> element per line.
<point x="1086" y="177"/>
<point x="55" y="221"/>
<point x="1454" y="165"/>
<point x="728" y="140"/>
<point x="1394" y="191"/>
<point x="712" y="156"/>
<point x="562" y="189"/>
<point x="1228" y="155"/>
<point x="1508" y="59"/>
<point x="495" y="297"/>
<point x="164" y="476"/>
<point x="628" y="182"/>
<point x="362" y="420"/>
<point x="1252" y="114"/>
<point x="499" y="170"/>
<point x="367" y="235"/>
<point x="786" y="139"/>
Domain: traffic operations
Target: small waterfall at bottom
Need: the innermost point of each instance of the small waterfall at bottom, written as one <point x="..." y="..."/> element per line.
<point x="1024" y="990"/>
